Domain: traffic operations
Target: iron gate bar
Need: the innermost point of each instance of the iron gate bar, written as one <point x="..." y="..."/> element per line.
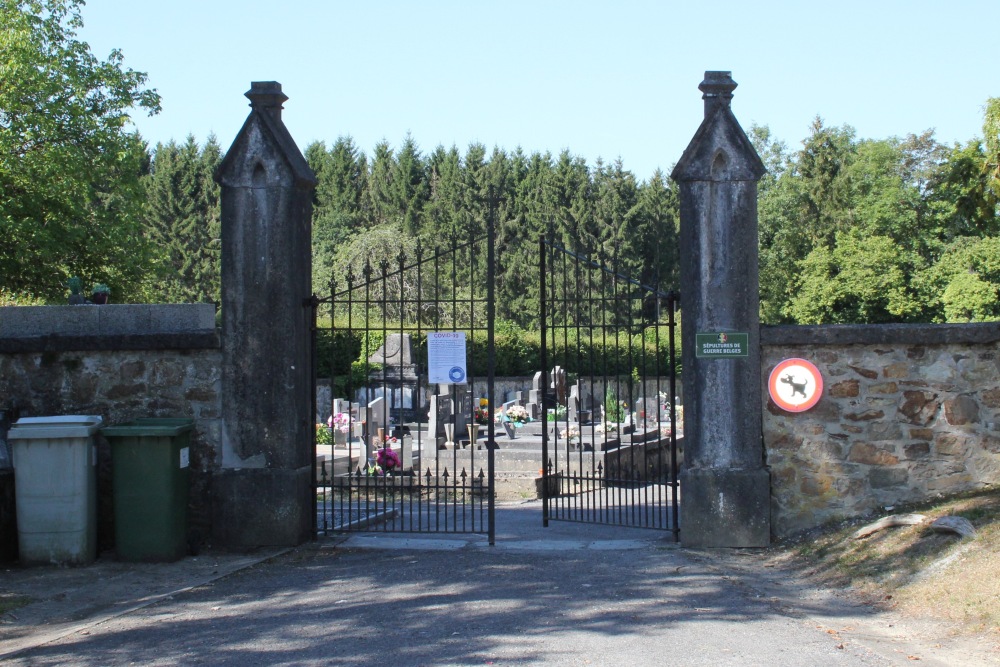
<point x="632" y="492"/>
<point x="451" y="498"/>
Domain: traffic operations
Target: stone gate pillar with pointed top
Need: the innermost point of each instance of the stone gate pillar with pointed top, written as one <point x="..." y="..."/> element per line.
<point x="262" y="493"/>
<point x="725" y="486"/>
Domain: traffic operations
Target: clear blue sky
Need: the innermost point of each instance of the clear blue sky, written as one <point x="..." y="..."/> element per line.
<point x="615" y="79"/>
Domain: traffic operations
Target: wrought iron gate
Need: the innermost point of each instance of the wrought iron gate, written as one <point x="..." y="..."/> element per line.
<point x="609" y="448"/>
<point x="397" y="454"/>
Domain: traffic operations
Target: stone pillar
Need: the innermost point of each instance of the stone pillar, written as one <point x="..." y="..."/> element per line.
<point x="725" y="487"/>
<point x="262" y="494"/>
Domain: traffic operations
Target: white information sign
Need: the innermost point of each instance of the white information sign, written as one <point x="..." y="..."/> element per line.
<point x="446" y="357"/>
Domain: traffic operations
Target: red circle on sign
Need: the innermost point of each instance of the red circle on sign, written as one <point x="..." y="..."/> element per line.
<point x="795" y="385"/>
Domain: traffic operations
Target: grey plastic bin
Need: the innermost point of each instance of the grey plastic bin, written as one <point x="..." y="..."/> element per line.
<point x="55" y="487"/>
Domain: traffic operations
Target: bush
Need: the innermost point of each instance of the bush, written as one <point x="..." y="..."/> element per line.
<point x="342" y="353"/>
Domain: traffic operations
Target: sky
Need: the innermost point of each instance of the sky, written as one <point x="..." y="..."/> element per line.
<point x="612" y="79"/>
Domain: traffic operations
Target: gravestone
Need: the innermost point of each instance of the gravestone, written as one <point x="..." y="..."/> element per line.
<point x="438" y="415"/>
<point x="397" y="376"/>
<point x="406" y="453"/>
<point x="573" y="405"/>
<point x="646" y="411"/>
<point x="558" y="385"/>
<point x="534" y="406"/>
<point x="378" y="415"/>
<point x="463" y="407"/>
<point x="341" y="406"/>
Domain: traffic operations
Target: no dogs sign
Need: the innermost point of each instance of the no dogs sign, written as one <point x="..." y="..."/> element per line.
<point x="795" y="385"/>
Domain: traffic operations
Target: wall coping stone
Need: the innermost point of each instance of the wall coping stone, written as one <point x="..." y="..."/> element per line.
<point x="880" y="334"/>
<point x="106" y="320"/>
<point x="110" y="327"/>
<point x="198" y="340"/>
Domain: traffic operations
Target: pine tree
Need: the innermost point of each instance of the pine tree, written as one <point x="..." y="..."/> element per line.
<point x="183" y="220"/>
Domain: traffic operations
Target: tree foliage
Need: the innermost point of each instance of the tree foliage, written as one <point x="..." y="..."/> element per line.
<point x="70" y="199"/>
<point x="369" y="210"/>
<point x="183" y="221"/>
<point x="891" y="230"/>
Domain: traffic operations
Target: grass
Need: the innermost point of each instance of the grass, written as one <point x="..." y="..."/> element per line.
<point x="915" y="570"/>
<point x="9" y="602"/>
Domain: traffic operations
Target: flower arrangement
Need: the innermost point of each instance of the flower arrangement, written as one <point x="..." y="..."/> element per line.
<point x="387" y="458"/>
<point x="340" y="421"/>
<point x="481" y="416"/>
<point x="517" y="415"/>
<point x="571" y="433"/>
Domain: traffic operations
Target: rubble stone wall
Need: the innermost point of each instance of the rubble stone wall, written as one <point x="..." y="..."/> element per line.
<point x="121" y="362"/>
<point x="907" y="413"/>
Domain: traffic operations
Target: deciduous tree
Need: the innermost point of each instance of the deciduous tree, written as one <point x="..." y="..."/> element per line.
<point x="70" y="197"/>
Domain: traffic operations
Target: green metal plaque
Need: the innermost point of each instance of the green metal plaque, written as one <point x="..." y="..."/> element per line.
<point x="721" y="345"/>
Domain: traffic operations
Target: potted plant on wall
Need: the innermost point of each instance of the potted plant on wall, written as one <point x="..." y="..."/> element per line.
<point x="75" y="286"/>
<point x="100" y="293"/>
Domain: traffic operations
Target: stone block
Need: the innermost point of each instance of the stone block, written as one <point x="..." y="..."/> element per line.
<point x="785" y="441"/>
<point x="949" y="483"/>
<point x="896" y="371"/>
<point x="816" y="485"/>
<point x="921" y="434"/>
<point x="845" y="389"/>
<point x="919" y="407"/>
<point x="917" y="450"/>
<point x="880" y="431"/>
<point x="868" y="454"/>
<point x="867" y="415"/>
<point x="24" y="321"/>
<point x="990" y="397"/>
<point x="864" y="372"/>
<point x="127" y="319"/>
<point x="725" y="508"/>
<point x="261" y="507"/>
<point x="949" y="444"/>
<point x="991" y="444"/>
<point x="182" y="317"/>
<point x="884" y="388"/>
<point x="783" y="476"/>
<point x="961" y="410"/>
<point x="883" y="478"/>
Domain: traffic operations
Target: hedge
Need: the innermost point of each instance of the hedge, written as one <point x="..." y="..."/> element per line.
<point x="518" y="352"/>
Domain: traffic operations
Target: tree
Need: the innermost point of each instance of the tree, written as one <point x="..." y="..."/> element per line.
<point x="70" y="197"/>
<point x="183" y="220"/>
<point x="339" y="209"/>
<point x="964" y="284"/>
<point x="861" y="279"/>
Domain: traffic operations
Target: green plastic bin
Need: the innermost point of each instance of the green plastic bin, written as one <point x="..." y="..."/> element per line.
<point x="150" y="480"/>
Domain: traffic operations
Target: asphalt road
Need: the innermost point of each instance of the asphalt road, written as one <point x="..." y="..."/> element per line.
<point x="568" y="595"/>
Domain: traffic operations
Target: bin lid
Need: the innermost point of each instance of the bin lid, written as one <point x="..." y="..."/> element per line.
<point x="63" y="426"/>
<point x="153" y="427"/>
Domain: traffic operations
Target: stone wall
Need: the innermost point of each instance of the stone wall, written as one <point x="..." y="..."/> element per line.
<point x="907" y="413"/>
<point x="121" y="362"/>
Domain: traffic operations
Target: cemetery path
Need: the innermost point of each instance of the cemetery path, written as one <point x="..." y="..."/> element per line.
<point x="570" y="594"/>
